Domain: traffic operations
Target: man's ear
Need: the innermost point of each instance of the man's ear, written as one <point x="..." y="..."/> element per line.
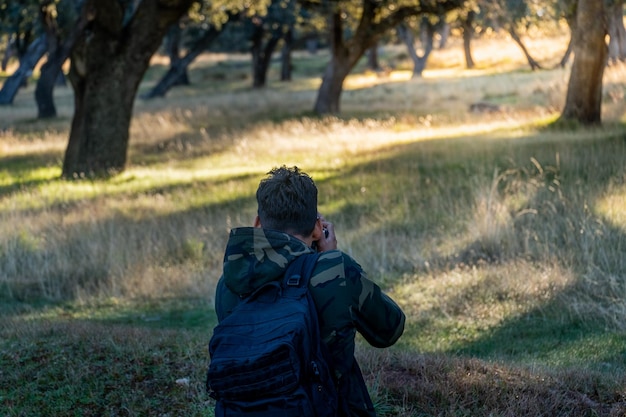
<point x="317" y="231"/>
<point x="257" y="222"/>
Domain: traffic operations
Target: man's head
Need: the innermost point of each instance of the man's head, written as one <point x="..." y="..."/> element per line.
<point x="287" y="201"/>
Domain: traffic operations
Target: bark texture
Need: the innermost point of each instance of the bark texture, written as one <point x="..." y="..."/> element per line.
<point x="467" y="25"/>
<point x="107" y="66"/>
<point x="345" y="53"/>
<point x="584" y="91"/>
<point x="262" y="53"/>
<point x="427" y="38"/>
<point x="179" y="65"/>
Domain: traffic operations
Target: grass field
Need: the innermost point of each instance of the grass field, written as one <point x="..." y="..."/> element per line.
<point x="501" y="236"/>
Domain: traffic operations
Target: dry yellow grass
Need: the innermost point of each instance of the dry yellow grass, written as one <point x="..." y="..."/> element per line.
<point x="162" y="223"/>
<point x="486" y="227"/>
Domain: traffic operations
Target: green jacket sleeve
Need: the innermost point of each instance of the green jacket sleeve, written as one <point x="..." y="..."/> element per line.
<point x="375" y="315"/>
<point x="379" y="320"/>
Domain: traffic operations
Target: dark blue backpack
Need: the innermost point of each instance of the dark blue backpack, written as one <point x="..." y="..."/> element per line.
<point x="267" y="358"/>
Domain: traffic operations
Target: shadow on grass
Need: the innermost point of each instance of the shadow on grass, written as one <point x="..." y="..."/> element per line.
<point x="565" y="191"/>
<point x="416" y="176"/>
<point x="18" y="169"/>
<point x="533" y="339"/>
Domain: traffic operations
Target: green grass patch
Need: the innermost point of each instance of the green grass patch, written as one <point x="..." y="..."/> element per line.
<point x="68" y="368"/>
<point x="501" y="236"/>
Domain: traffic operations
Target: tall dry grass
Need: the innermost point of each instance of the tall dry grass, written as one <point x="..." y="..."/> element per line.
<point x="419" y="186"/>
<point x="501" y="238"/>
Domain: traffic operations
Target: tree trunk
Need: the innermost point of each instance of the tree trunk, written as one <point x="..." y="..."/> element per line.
<point x="617" y="32"/>
<point x="571" y="23"/>
<point x="106" y="68"/>
<point x="262" y="55"/>
<point x="285" y="56"/>
<point x="346" y="53"/>
<point x="427" y="35"/>
<point x="179" y="67"/>
<point x="8" y="53"/>
<point x="172" y="46"/>
<point x="103" y="107"/>
<point x="468" y="30"/>
<point x="11" y="86"/>
<point x="444" y="33"/>
<point x="341" y="63"/>
<point x="372" y="58"/>
<point x="329" y="94"/>
<point x="584" y="91"/>
<point x="567" y="54"/>
<point x="531" y="61"/>
<point x="312" y="44"/>
<point x="51" y="71"/>
<point x="44" y="97"/>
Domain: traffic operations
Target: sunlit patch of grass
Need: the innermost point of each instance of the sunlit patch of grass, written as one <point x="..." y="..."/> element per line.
<point x="500" y="235"/>
<point x="603" y="351"/>
<point x="464" y="304"/>
<point x="612" y="206"/>
<point x="322" y="144"/>
<point x="42" y="174"/>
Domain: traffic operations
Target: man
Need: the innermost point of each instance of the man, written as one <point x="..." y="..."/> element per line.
<point x="288" y="225"/>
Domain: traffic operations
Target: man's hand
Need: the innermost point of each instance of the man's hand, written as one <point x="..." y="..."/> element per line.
<point x="328" y="240"/>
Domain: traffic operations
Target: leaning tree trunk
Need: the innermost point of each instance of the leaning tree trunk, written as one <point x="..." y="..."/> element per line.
<point x="172" y="46"/>
<point x="285" y="55"/>
<point x="178" y="67"/>
<point x="262" y="56"/>
<point x="49" y="75"/>
<point x="617" y="32"/>
<point x="468" y="30"/>
<point x="329" y="93"/>
<point x="571" y="24"/>
<point x="342" y="60"/>
<point x="372" y="58"/>
<point x="427" y="34"/>
<point x="51" y="71"/>
<point x="11" y="86"/>
<point x="531" y="61"/>
<point x="106" y="69"/>
<point x="584" y="91"/>
<point x="567" y="54"/>
<point x="345" y="54"/>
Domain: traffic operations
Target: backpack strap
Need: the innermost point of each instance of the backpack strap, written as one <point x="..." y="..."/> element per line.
<point x="297" y="278"/>
<point x="298" y="273"/>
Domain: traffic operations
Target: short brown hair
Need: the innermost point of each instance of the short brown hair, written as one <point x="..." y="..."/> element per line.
<point x="287" y="201"/>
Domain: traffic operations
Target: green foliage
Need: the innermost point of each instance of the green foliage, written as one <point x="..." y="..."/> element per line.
<point x="216" y="12"/>
<point x="494" y="14"/>
<point x="20" y="20"/>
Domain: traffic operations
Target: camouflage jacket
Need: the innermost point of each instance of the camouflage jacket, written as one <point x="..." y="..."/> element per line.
<point x="345" y="299"/>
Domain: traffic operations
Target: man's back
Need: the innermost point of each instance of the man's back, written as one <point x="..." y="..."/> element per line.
<point x="267" y="357"/>
<point x="345" y="299"/>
